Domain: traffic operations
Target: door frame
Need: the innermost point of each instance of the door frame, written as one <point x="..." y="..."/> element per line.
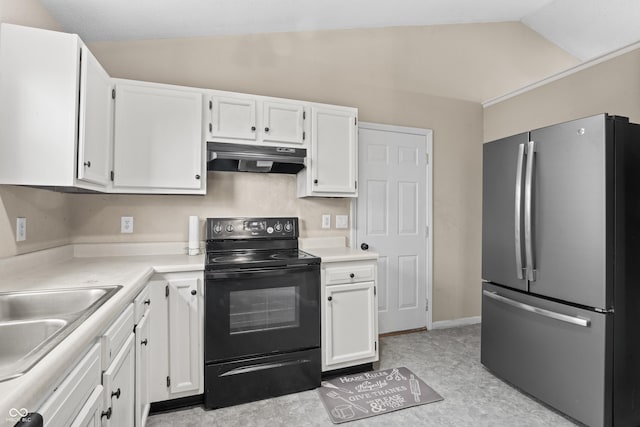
<point x="428" y="134"/>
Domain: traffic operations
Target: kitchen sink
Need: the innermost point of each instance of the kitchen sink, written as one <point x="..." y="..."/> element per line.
<point x="34" y="322"/>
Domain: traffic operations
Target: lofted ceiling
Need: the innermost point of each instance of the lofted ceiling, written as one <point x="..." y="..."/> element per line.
<point x="584" y="28"/>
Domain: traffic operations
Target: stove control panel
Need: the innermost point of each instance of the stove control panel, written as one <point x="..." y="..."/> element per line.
<point x="252" y="228"/>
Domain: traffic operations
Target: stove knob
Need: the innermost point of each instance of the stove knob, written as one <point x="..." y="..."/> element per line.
<point x="278" y="227"/>
<point x="217" y="228"/>
<point x="288" y="227"/>
<point x="229" y="228"/>
<point x="269" y="230"/>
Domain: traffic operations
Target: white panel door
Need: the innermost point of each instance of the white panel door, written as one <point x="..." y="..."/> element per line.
<point x="96" y="121"/>
<point x="350" y="322"/>
<point x="283" y="122"/>
<point x="232" y="118"/>
<point x="393" y="219"/>
<point x="158" y="138"/>
<point x="184" y="330"/>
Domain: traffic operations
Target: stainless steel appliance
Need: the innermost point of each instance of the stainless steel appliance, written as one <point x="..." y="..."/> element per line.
<point x="262" y="312"/>
<point x="560" y="247"/>
<point x="229" y="157"/>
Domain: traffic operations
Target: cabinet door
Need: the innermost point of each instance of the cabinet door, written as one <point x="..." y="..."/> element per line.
<point x="119" y="385"/>
<point x="184" y="336"/>
<point x="158" y="140"/>
<point x="283" y="122"/>
<point x="142" y="370"/>
<point x="95" y="123"/>
<point x="232" y="118"/>
<point x="91" y="413"/>
<point x="350" y="322"/>
<point x="333" y="145"/>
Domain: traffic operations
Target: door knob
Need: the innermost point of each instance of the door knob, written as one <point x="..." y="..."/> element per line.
<point x="87" y="164"/>
<point x="147" y="301"/>
<point x="329" y="298"/>
<point x="116" y="393"/>
<point x="107" y="413"/>
<point x="364" y="246"/>
<point x="144" y="341"/>
<point x="352" y="275"/>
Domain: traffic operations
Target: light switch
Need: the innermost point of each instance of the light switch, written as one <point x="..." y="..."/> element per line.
<point x="342" y="221"/>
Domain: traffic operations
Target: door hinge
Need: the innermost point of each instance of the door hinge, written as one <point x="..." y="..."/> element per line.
<point x="375" y="345"/>
<point x="426" y="156"/>
<point x="356" y="184"/>
<point x="168" y="381"/>
<point x="426" y="231"/>
<point x="426" y="304"/>
<point x="113" y="94"/>
<point x="355" y="121"/>
<point x="304" y="135"/>
<point x="374" y="290"/>
<point x="210" y="127"/>
<point x="210" y="105"/>
<point x="304" y="115"/>
<point x="166" y="291"/>
<point x="111" y="176"/>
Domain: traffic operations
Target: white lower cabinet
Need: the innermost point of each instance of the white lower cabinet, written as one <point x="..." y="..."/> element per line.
<point x="119" y="387"/>
<point x="349" y="314"/>
<point x="142" y="314"/>
<point x="72" y="398"/>
<point x="176" y="336"/>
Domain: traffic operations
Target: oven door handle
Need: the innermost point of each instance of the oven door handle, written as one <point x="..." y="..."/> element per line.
<point x="266" y="271"/>
<point x="263" y="366"/>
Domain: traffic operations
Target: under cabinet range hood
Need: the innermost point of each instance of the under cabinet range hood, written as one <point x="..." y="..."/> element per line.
<point x="251" y="158"/>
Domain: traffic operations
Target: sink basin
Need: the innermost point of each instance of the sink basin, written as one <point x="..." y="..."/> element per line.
<point x="32" y="323"/>
<point x="53" y="303"/>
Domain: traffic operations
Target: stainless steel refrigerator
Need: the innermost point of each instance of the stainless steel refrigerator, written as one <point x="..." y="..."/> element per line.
<point x="561" y="267"/>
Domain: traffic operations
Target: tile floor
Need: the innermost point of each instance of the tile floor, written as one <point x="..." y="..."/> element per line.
<point x="448" y="360"/>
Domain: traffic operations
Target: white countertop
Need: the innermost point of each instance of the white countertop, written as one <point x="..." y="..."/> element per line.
<point x="130" y="272"/>
<point x="333" y="249"/>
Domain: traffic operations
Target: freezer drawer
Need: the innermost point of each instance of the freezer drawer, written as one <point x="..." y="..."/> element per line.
<point x="557" y="353"/>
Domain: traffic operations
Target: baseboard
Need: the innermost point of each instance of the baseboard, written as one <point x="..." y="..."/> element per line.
<point x="463" y="321"/>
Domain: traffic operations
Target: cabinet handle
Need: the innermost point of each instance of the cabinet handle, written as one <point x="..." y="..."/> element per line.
<point x="197" y="176"/>
<point x="87" y="163"/>
<point x="266" y="129"/>
<point x="106" y="413"/>
<point x="116" y="394"/>
<point x="193" y="292"/>
<point x="147" y="302"/>
<point x="253" y="128"/>
<point x="315" y="181"/>
<point x="352" y="275"/>
<point x="329" y="298"/>
<point x="144" y="342"/>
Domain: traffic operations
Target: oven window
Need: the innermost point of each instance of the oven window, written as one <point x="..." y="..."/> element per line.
<point x="263" y="309"/>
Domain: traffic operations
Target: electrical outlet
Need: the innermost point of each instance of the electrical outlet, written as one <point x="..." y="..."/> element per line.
<point x="126" y="224"/>
<point x="326" y="221"/>
<point x="21" y="229"/>
<point x="342" y="221"/>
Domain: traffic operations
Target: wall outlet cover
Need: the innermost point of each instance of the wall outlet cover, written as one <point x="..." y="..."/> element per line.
<point x="342" y="221"/>
<point x="126" y="224"/>
<point x="21" y="229"/>
<point x="326" y="221"/>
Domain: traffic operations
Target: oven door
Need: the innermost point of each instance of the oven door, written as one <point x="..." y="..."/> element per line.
<point x="252" y="312"/>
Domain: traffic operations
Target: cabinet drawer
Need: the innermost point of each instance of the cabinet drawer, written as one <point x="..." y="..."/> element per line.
<point x="69" y="398"/>
<point x="116" y="336"/>
<point x="140" y="304"/>
<point x="90" y="414"/>
<point x="349" y="274"/>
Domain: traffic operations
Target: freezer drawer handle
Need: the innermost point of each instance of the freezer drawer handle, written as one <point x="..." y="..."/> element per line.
<point x="518" y="197"/>
<point x="579" y="321"/>
<point x="263" y="366"/>
<point x="528" y="212"/>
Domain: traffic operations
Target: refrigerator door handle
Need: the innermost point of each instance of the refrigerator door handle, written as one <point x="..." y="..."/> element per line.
<point x="528" y="202"/>
<point x="574" y="320"/>
<point x="518" y="213"/>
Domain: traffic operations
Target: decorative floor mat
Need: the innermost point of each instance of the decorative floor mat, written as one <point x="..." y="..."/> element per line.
<point x="353" y="397"/>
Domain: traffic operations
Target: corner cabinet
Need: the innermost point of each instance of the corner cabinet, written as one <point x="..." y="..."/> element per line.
<point x="56" y="111"/>
<point x="176" y="333"/>
<point x="332" y="167"/>
<point x="349" y="314"/>
<point x="158" y="139"/>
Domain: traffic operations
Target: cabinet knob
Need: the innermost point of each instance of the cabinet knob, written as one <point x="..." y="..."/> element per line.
<point x="193" y="292"/>
<point x="364" y="246"/>
<point x="144" y="342"/>
<point x="253" y="128"/>
<point x="87" y="163"/>
<point x="352" y="275"/>
<point x="116" y="393"/>
<point x="106" y="413"/>
<point x="315" y="181"/>
<point x="147" y="302"/>
<point x="197" y="176"/>
<point x="266" y="129"/>
<point x="329" y="298"/>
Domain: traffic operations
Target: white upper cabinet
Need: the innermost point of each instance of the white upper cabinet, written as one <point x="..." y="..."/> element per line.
<point x="52" y="89"/>
<point x="158" y="141"/>
<point x="332" y="164"/>
<point x="283" y="122"/>
<point x="95" y="122"/>
<point x="232" y="117"/>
